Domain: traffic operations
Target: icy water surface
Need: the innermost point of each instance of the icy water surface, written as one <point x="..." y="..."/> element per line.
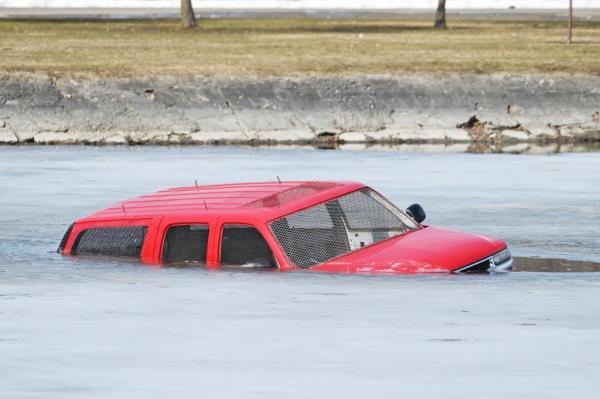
<point x="81" y="328"/>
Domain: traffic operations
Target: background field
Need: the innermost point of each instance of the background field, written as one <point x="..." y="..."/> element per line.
<point x="295" y="47"/>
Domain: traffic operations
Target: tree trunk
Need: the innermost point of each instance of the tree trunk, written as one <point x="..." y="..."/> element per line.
<point x="570" y="27"/>
<point x="440" y="15"/>
<point x="188" y="19"/>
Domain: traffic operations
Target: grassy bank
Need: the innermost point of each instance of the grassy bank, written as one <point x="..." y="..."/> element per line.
<point x="295" y="47"/>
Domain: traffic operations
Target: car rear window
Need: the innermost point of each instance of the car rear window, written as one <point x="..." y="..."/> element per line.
<point x="337" y="227"/>
<point x="124" y="241"/>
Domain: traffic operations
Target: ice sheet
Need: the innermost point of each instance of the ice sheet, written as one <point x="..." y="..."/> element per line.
<point x="73" y="328"/>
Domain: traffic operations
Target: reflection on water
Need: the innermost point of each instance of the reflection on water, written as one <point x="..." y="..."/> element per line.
<point x="525" y="148"/>
<point x="554" y="265"/>
<point x="409" y="147"/>
<point x="471" y="148"/>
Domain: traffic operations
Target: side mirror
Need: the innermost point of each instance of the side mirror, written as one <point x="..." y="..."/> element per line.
<point x="416" y="212"/>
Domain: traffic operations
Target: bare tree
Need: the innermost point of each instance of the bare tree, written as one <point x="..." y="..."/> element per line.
<point x="188" y="19"/>
<point x="440" y="15"/>
<point x="570" y="27"/>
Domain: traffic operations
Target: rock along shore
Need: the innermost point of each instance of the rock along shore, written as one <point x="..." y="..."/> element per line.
<point x="487" y="109"/>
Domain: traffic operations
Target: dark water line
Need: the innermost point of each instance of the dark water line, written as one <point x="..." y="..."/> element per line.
<point x="525" y="264"/>
<point x="516" y="148"/>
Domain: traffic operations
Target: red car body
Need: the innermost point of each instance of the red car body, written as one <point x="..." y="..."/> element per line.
<point x="319" y="226"/>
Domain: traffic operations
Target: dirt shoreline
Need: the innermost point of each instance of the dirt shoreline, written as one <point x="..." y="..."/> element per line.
<point x="488" y="110"/>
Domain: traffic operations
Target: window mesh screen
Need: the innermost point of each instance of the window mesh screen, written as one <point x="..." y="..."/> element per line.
<point x="323" y="232"/>
<point x="186" y="244"/>
<point x="291" y="195"/>
<point x="111" y="241"/>
<point x="244" y="245"/>
<point x="365" y="210"/>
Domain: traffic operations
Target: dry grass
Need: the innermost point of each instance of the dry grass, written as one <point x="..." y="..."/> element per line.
<point x="295" y="47"/>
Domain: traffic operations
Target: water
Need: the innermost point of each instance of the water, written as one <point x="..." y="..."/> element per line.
<point x="82" y="328"/>
<point x="543" y="206"/>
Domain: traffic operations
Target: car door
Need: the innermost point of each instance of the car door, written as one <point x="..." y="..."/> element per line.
<point x="186" y="241"/>
<point x="242" y="244"/>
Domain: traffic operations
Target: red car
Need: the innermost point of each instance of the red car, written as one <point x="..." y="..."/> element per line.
<point x="322" y="226"/>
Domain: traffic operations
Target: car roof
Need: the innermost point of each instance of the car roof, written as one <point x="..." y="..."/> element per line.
<point x="266" y="200"/>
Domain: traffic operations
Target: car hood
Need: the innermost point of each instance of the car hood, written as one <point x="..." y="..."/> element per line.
<point x="427" y="250"/>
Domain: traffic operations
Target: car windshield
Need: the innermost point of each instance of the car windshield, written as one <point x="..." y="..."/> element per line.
<point x="339" y="226"/>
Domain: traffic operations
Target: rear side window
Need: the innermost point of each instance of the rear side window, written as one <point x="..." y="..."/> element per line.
<point x="186" y="243"/>
<point x="111" y="241"/>
<point x="245" y="246"/>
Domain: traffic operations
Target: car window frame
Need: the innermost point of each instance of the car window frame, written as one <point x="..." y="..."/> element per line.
<point x="170" y="221"/>
<point x="262" y="230"/>
<point x="147" y="250"/>
<point x="288" y="261"/>
<point x="163" y="238"/>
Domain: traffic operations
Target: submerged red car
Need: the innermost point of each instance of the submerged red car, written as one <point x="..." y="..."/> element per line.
<point x="321" y="226"/>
